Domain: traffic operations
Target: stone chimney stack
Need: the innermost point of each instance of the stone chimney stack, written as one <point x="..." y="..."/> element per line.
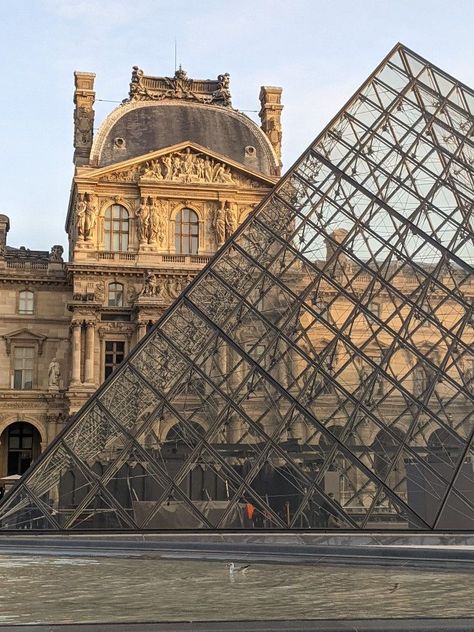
<point x="84" y="97"/>
<point x="270" y="115"/>
<point x="4" y="228"/>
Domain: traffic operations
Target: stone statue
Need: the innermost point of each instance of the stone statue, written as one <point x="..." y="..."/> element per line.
<point x="54" y="374"/>
<point x="222" y="94"/>
<point x="207" y="169"/>
<point x="80" y="215"/>
<point x="136" y="83"/>
<point x="56" y="253"/>
<point x="89" y="217"/>
<point x="143" y="221"/>
<point x="220" y="225"/>
<point x="230" y="219"/>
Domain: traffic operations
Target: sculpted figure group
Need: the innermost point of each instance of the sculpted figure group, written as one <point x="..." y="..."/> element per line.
<point x="187" y="167"/>
<point x="151" y="222"/>
<point x="224" y="222"/>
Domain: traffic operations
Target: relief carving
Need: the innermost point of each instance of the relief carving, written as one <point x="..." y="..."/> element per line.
<point x="189" y="167"/>
<point x="185" y="167"/>
<point x="152" y="286"/>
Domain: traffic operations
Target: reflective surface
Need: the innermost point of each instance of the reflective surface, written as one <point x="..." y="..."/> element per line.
<point x="60" y="590"/>
<point x="319" y="372"/>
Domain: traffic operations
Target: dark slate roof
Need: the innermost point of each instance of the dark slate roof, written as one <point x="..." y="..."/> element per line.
<point x="154" y="127"/>
<point x="25" y="254"/>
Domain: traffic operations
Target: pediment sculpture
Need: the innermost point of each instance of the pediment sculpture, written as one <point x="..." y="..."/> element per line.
<point x="187" y="167"/>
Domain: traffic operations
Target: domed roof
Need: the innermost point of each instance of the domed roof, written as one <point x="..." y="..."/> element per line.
<point x="138" y="128"/>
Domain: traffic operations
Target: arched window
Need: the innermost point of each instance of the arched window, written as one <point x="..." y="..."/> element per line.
<point x="116" y="228"/>
<point x="26" y="302"/>
<point x="115" y="295"/>
<point x="187" y="232"/>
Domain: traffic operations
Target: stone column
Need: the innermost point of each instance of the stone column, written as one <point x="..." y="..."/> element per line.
<point x="89" y="357"/>
<point x="76" y="352"/>
<point x="141" y="331"/>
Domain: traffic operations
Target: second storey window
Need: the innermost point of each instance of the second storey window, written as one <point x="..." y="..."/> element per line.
<point x="116" y="228"/>
<point x="114" y="355"/>
<point x="23" y="360"/>
<point x="115" y="297"/>
<point x="26" y="302"/>
<point x="187" y="232"/>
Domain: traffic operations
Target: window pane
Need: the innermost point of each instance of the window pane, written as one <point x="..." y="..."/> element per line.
<point x="186" y="232"/>
<point x="116" y="227"/>
<point x="26" y="302"/>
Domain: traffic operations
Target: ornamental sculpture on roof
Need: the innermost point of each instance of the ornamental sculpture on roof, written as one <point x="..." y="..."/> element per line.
<point x="145" y="88"/>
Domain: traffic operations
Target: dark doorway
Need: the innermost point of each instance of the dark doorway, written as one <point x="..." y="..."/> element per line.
<point x="23" y="445"/>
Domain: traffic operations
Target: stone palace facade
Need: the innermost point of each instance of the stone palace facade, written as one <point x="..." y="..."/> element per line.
<point x="157" y="190"/>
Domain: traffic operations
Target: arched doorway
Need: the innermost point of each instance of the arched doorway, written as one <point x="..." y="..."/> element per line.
<point x="21" y="444"/>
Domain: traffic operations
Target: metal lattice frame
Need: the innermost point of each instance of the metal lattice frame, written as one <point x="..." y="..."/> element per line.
<point x="327" y="346"/>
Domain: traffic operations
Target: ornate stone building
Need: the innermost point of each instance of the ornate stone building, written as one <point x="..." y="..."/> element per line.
<point x="157" y="190"/>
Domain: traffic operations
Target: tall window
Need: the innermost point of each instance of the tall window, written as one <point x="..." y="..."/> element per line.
<point x="26" y="302"/>
<point x="116" y="228"/>
<point x="115" y="297"/>
<point x="23" y="360"/>
<point x="114" y="355"/>
<point x="187" y="232"/>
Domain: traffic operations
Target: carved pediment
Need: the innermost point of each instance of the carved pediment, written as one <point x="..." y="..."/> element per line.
<point x="185" y="163"/>
<point x="24" y="336"/>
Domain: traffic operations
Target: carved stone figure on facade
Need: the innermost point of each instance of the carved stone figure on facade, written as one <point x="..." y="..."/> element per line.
<point x="223" y="174"/>
<point x="230" y="218"/>
<point x="222" y="94"/>
<point x="143" y="221"/>
<point x="54" y="374"/>
<point x="157" y="222"/>
<point x="151" y="285"/>
<point x="174" y="288"/>
<point x="99" y="292"/>
<point x="136" y="83"/>
<point x="219" y="225"/>
<point x="56" y="254"/>
<point x="168" y="163"/>
<point x="80" y="215"/>
<point x="83" y="123"/>
<point x="90" y="216"/>
<point x="207" y="169"/>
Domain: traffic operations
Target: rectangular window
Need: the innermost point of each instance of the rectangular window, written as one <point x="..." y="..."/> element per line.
<point x="114" y="355"/>
<point x="26" y="303"/>
<point x="23" y="360"/>
<point x="375" y="309"/>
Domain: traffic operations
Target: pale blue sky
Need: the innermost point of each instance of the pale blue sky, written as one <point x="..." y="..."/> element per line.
<point x="319" y="51"/>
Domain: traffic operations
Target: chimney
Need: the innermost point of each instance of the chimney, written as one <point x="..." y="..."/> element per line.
<point x="270" y="115"/>
<point x="4" y="228"/>
<point x="84" y="97"/>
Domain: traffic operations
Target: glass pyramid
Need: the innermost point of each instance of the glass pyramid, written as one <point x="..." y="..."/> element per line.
<point x="318" y="373"/>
